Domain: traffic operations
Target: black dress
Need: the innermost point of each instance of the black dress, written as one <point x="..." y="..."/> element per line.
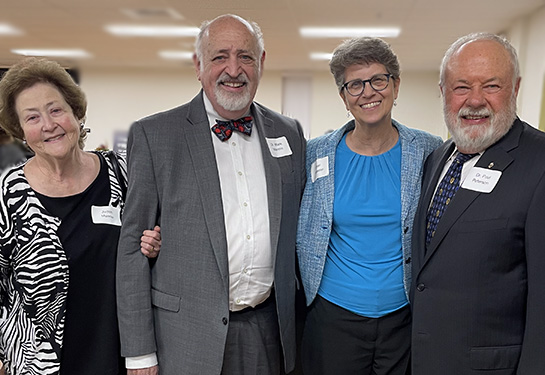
<point x="91" y="336"/>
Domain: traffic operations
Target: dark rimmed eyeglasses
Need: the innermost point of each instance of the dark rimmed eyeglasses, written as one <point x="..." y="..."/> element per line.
<point x="378" y="83"/>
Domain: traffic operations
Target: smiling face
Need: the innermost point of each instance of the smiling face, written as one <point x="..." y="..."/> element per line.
<point x="231" y="66"/>
<point x="49" y="125"/>
<point x="479" y="95"/>
<point x="371" y="108"/>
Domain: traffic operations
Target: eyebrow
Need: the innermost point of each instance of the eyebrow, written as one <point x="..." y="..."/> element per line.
<point x="37" y="109"/>
<point x="228" y="50"/>
<point x="486" y="81"/>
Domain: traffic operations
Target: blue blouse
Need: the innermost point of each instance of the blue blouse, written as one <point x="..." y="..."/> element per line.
<point x="363" y="271"/>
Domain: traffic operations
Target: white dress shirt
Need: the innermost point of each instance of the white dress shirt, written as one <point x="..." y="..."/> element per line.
<point x="246" y="215"/>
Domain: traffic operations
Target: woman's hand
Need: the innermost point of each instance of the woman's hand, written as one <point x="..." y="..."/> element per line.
<point x="150" y="242"/>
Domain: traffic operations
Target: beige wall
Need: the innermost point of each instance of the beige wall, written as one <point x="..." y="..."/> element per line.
<point x="117" y="97"/>
<point x="531" y="31"/>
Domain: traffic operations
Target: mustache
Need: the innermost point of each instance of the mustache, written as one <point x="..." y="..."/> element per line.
<point x="225" y="77"/>
<point x="481" y="112"/>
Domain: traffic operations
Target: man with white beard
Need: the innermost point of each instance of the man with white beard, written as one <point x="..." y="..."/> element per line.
<point x="224" y="177"/>
<point x="478" y="293"/>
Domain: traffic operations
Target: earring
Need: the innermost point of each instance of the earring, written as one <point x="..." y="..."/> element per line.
<point x="347" y="114"/>
<point x="395" y="102"/>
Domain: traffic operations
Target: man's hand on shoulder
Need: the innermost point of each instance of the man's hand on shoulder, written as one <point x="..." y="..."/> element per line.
<point x="144" y="371"/>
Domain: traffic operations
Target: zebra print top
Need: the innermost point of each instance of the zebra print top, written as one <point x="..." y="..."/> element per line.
<point x="34" y="275"/>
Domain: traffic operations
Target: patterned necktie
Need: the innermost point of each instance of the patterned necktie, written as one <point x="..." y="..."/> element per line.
<point x="224" y="129"/>
<point x="448" y="186"/>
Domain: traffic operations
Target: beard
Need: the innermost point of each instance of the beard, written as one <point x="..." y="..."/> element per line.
<point x="233" y="101"/>
<point x="477" y="138"/>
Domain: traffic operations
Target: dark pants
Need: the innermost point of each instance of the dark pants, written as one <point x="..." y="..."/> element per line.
<point x="337" y="341"/>
<point x="253" y="341"/>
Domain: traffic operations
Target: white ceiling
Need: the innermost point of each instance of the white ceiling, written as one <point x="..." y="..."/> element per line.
<point x="427" y="26"/>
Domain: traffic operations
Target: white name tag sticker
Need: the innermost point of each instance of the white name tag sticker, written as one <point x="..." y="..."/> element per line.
<point x="279" y="147"/>
<point x="320" y="168"/>
<point x="106" y="215"/>
<point x="481" y="179"/>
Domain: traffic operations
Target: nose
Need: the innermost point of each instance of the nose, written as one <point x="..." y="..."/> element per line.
<point x="367" y="90"/>
<point x="233" y="66"/>
<point x="48" y="123"/>
<point x="476" y="98"/>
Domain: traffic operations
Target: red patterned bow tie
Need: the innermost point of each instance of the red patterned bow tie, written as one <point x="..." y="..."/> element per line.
<point x="224" y="129"/>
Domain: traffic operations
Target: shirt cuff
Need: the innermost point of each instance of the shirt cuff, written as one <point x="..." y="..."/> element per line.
<point x="143" y="361"/>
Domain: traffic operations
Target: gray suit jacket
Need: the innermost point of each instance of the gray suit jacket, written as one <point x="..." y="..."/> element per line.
<point x="478" y="294"/>
<point x="177" y="304"/>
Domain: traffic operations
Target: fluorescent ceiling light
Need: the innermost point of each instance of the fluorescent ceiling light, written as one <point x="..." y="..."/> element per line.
<point x="6" y="29"/>
<point x="321" y="56"/>
<point x="152" y="31"/>
<point x="176" y="55"/>
<point x="75" y="53"/>
<point x="347" y="32"/>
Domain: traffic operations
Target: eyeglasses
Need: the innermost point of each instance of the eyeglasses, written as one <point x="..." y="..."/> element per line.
<point x="378" y="83"/>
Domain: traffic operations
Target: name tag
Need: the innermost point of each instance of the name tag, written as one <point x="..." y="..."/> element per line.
<point x="481" y="179"/>
<point x="106" y="215"/>
<point x="279" y="147"/>
<point x="320" y="168"/>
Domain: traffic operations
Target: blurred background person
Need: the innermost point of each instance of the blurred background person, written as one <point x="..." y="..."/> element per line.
<point x="59" y="227"/>
<point x="12" y="152"/>
<point x="355" y="224"/>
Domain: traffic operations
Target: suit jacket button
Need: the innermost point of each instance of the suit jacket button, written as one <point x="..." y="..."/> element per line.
<point x="224" y="321"/>
<point x="420" y="287"/>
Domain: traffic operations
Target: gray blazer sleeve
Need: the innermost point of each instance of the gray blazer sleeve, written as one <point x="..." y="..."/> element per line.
<point x="133" y="270"/>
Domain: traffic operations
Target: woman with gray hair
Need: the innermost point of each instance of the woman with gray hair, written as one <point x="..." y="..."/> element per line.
<point x="355" y="224"/>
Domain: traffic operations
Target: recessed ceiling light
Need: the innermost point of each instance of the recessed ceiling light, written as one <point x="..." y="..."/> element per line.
<point x="6" y="29"/>
<point x="75" y="53"/>
<point x="152" y="13"/>
<point x="347" y="32"/>
<point x="152" y="31"/>
<point x="321" y="56"/>
<point x="176" y="55"/>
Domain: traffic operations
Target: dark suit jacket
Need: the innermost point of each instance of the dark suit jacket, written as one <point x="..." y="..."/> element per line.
<point x="178" y="304"/>
<point x="478" y="294"/>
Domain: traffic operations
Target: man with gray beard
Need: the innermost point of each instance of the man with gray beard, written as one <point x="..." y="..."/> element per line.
<point x="224" y="177"/>
<point x="478" y="293"/>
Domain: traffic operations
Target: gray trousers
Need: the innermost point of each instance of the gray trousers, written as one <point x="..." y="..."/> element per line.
<point x="253" y="341"/>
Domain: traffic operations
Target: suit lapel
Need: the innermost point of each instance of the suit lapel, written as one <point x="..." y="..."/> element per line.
<point x="495" y="157"/>
<point x="203" y="159"/>
<point x="266" y="129"/>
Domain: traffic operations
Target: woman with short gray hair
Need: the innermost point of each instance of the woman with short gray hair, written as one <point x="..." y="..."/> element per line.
<point x="355" y="224"/>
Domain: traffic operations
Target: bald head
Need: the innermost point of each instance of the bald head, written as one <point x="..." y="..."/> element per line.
<point x="224" y="22"/>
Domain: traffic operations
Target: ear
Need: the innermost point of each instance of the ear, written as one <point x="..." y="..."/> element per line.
<point x="345" y="101"/>
<point x="197" y="65"/>
<point x="517" y="87"/>
<point x="261" y="63"/>
<point x="397" y="83"/>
